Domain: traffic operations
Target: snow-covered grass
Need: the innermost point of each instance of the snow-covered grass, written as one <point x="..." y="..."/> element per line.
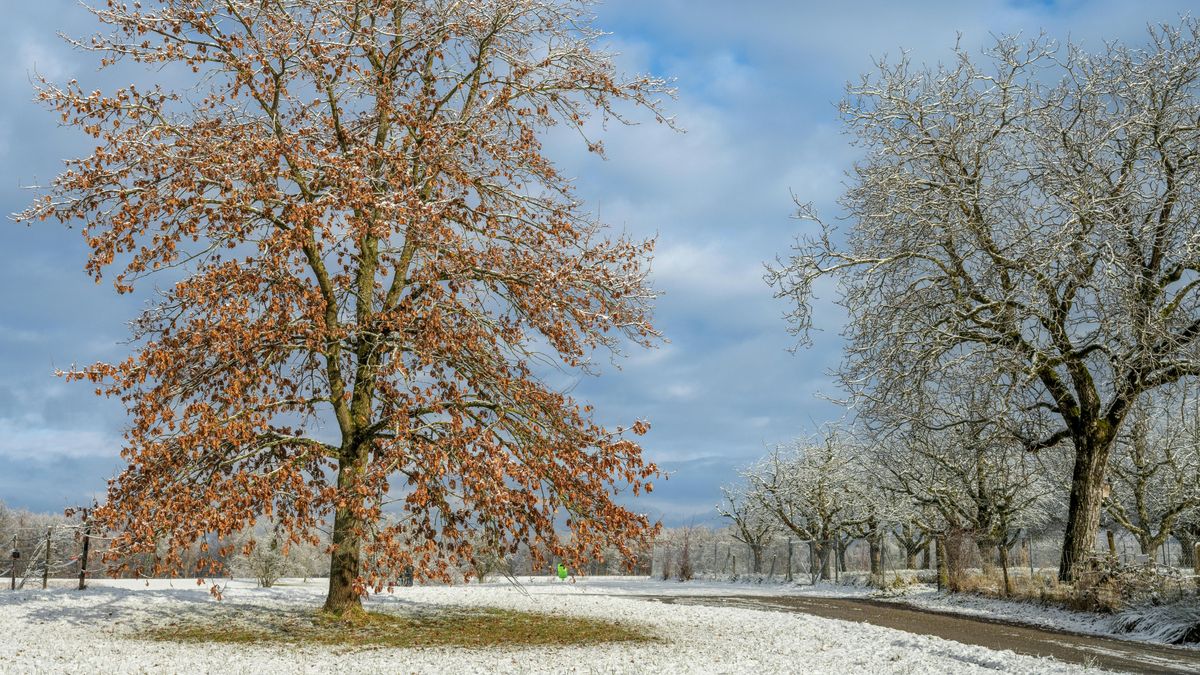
<point x="1161" y="625"/>
<point x="63" y="630"/>
<point x="1175" y="623"/>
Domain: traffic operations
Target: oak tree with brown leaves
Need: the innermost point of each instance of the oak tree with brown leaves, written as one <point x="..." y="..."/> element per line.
<point x="368" y="252"/>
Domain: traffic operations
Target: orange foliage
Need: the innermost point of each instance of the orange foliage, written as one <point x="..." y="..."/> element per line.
<point x="368" y="251"/>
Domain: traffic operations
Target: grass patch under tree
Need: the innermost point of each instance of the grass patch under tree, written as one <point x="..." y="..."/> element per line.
<point x="441" y="628"/>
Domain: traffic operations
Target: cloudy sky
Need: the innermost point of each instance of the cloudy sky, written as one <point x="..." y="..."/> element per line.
<point x="758" y="81"/>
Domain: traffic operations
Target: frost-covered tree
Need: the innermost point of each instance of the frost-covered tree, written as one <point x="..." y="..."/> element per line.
<point x="264" y="559"/>
<point x="1035" y="210"/>
<point x="985" y="489"/>
<point x="6" y="526"/>
<point x="753" y="525"/>
<point x="879" y="508"/>
<point x="1155" y="470"/>
<point x="812" y="490"/>
<point x="1187" y="531"/>
<point x="957" y="453"/>
<point x="913" y="532"/>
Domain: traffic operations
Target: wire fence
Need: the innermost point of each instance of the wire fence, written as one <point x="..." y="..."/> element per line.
<point x="1024" y="566"/>
<point x="1027" y="564"/>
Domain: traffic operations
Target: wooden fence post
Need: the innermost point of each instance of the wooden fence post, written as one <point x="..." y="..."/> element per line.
<point x="83" y="560"/>
<point x="1029" y="554"/>
<point x="46" y="569"/>
<point x="812" y="561"/>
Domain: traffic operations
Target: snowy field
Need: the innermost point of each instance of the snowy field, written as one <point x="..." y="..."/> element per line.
<point x="64" y="630"/>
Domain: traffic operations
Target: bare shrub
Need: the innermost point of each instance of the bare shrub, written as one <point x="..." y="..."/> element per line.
<point x="686" y="573"/>
<point x="265" y="561"/>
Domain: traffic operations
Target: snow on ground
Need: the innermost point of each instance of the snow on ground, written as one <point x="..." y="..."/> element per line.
<point x="1087" y="623"/>
<point x="1151" y="623"/>
<point x="63" y="630"/>
<point x="926" y="596"/>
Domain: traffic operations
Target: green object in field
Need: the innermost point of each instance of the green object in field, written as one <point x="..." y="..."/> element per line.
<point x="562" y="571"/>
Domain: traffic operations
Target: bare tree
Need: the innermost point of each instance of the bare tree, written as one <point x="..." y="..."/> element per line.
<point x="264" y="559"/>
<point x="956" y="454"/>
<point x="1187" y="531"/>
<point x="1044" y="227"/>
<point x="6" y="525"/>
<point x="753" y="525"/>
<point x="913" y="534"/>
<point x="686" y="571"/>
<point x="1155" y="471"/>
<point x="811" y="489"/>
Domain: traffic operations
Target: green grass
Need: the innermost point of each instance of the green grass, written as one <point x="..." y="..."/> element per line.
<point x="471" y="628"/>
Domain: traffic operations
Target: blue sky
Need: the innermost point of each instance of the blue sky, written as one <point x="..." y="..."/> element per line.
<point x="757" y="80"/>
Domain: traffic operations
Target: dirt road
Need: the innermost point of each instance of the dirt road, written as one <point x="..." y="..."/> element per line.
<point x="1118" y="655"/>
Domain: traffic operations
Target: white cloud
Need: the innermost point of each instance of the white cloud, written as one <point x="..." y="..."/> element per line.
<point x="35" y="57"/>
<point x="712" y="270"/>
<point x="32" y="441"/>
<point x="681" y="391"/>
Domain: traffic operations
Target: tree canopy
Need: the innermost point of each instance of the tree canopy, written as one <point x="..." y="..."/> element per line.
<point x="368" y="255"/>
<point x="1032" y="212"/>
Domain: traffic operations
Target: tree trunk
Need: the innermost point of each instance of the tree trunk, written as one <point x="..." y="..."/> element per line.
<point x="1112" y="544"/>
<point x="1083" y="510"/>
<point x="1147" y="546"/>
<point x="1187" y="553"/>
<point x="345" y="561"/>
<point x="987" y="554"/>
<point x="875" y="548"/>
<point x="841" y="555"/>
<point x="812" y="561"/>
<point x="926" y="558"/>
<point x="756" y="559"/>
<point x="822" y="552"/>
<point x="789" y="565"/>
<point x="955" y="551"/>
<point x="943" y="573"/>
<point x="912" y="545"/>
